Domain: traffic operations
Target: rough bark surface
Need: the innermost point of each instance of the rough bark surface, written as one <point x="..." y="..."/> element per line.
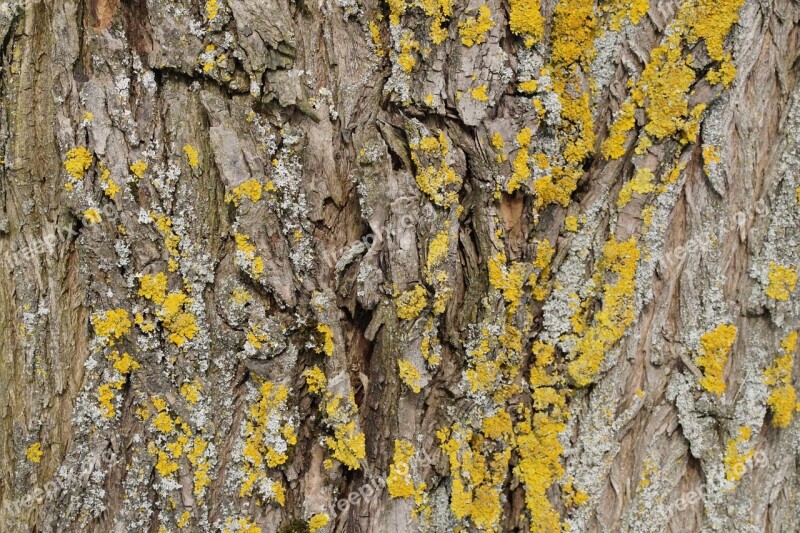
<point x="423" y="264"/>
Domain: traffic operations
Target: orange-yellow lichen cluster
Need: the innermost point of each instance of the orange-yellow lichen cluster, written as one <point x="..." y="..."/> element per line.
<point x="782" y="399"/>
<point x="434" y="176"/>
<point x="400" y="482"/>
<point x="737" y="454"/>
<point x="268" y="433"/>
<point x="715" y="346"/>
<point x="782" y="281"/>
<point x="620" y="260"/>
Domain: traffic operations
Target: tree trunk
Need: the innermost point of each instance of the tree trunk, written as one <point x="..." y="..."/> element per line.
<point x="365" y="266"/>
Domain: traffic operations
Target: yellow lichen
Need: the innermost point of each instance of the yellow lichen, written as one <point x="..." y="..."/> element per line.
<point x="327" y="339"/>
<point x="269" y="432"/>
<point x="473" y="30"/>
<point x="525" y="19"/>
<point x="250" y="189"/>
<point x="614" y="145"/>
<point x="181" y="323"/>
<point x="479" y="93"/>
<point x="191" y="391"/>
<point x="92" y="216"/>
<point x="375" y="33"/>
<point x="440" y="184"/>
<point x="408" y="45"/>
<point x="737" y="455"/>
<point x="715" y="346"/>
<point x="642" y="183"/>
<point x="571" y="223"/>
<point x="411" y="303"/>
<point x="192" y="155"/>
<point x="112" y="324"/>
<point x="521" y="171"/>
<point x="34" y="452"/>
<point x="317" y="522"/>
<point x="315" y="379"/>
<point x="409" y="374"/>
<point x="620" y="259"/>
<point x="138" y="169"/>
<point x="153" y="287"/>
<point x="212" y="9"/>
<point x="782" y="281"/>
<point x="782" y="399"/>
<point x="78" y="162"/>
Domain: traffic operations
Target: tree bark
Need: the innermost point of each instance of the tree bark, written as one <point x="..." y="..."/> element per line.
<point x="365" y="266"/>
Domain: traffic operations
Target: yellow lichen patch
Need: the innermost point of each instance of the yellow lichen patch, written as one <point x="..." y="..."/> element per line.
<point x="124" y="364"/>
<point x="246" y="256"/>
<point x="411" y="303"/>
<point x="440" y="184"/>
<point x="399" y="481"/>
<point x="112" y="324"/>
<point x="710" y="157"/>
<point x="620" y="260"/>
<point x="105" y="396"/>
<point x="711" y="20"/>
<point x="212" y="9"/>
<point x="92" y="216"/>
<point x="498" y="143"/>
<point x="571" y="224"/>
<point x="614" y="145"/>
<point x="478" y="468"/>
<point x="573" y="497"/>
<point x="521" y="171"/>
<point x="715" y="346"/>
<point x="782" y="399"/>
<point x="508" y="279"/>
<point x="240" y="525"/>
<point x="268" y="433"/>
<point x="396" y="9"/>
<point x="315" y="379"/>
<point x="171" y="239"/>
<point x="782" y="281"/>
<point x="180" y="323"/>
<point x="437" y="251"/>
<point x="737" y="455"/>
<point x="539" y="466"/>
<point x="525" y="19"/>
<point x="375" y="33"/>
<point x="430" y="346"/>
<point x="347" y="445"/>
<point x="317" y="522"/>
<point x="642" y="183"/>
<point x="191" y="391"/>
<point x="665" y="85"/>
<point x="327" y="339"/>
<point x="439" y="11"/>
<point x="34" y="452"/>
<point x="78" y="162"/>
<point x="153" y="287"/>
<point x="192" y="155"/>
<point x="528" y="86"/>
<point x="409" y="374"/>
<point x="479" y="93"/>
<point x="250" y="189"/>
<point x="109" y="186"/>
<point x="619" y="10"/>
<point x="539" y="280"/>
<point x="408" y="45"/>
<point x="138" y="169"/>
<point x="723" y="75"/>
<point x="473" y="30"/>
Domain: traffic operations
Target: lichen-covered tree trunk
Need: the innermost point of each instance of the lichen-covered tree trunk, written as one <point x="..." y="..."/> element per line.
<point x="437" y="265"/>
